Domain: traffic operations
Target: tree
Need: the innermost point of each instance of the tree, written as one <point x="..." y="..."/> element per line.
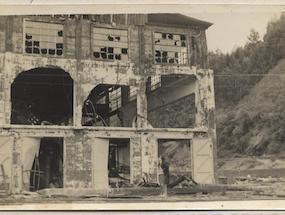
<point x="253" y="37"/>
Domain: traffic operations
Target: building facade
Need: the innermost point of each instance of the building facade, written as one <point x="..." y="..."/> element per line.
<point x="93" y="101"/>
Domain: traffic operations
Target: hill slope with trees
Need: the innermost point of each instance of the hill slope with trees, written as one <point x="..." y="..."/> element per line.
<point x="250" y="94"/>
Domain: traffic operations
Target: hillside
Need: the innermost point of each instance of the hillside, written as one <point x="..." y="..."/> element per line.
<point x="256" y="125"/>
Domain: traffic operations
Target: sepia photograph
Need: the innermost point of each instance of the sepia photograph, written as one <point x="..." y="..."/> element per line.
<point x="177" y="105"/>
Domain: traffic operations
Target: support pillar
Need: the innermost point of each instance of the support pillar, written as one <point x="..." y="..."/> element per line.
<point x="205" y="118"/>
<point x="141" y="105"/>
<point x="136" y="159"/>
<point x="17" y="169"/>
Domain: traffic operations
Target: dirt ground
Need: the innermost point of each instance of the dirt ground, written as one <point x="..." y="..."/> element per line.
<point x="238" y="179"/>
<point x="246" y="163"/>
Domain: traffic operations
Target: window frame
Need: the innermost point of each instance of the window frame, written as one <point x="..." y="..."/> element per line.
<point x="177" y="33"/>
<point x="56" y="22"/>
<point x="93" y="43"/>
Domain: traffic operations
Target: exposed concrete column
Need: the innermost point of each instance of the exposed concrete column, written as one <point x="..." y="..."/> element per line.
<point x="77" y="114"/>
<point x="141" y="104"/>
<point x="6" y="152"/>
<point x="201" y="99"/>
<point x="17" y="169"/>
<point x="149" y="157"/>
<point x="2" y="89"/>
<point x="9" y="34"/>
<point x="78" y="162"/>
<point x="141" y="89"/>
<point x="205" y="99"/>
<point x="77" y="100"/>
<point x="9" y="78"/>
<point x="205" y="109"/>
<point x="135" y="159"/>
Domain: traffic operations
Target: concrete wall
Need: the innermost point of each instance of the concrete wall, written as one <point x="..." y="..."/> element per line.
<point x="77" y="162"/>
<point x="177" y="114"/>
<point x="87" y="73"/>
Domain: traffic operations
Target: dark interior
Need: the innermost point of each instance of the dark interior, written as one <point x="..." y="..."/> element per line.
<point x="47" y="170"/>
<point x="119" y="163"/>
<point x="42" y="96"/>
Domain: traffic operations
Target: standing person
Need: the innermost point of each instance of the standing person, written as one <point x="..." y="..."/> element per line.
<point x="165" y="168"/>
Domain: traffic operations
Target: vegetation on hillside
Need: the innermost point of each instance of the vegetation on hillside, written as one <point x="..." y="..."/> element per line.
<point x="250" y="94"/>
<point x="236" y="73"/>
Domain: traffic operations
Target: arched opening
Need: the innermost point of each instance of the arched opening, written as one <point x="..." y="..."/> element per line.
<point x="109" y="105"/>
<point x="42" y="96"/>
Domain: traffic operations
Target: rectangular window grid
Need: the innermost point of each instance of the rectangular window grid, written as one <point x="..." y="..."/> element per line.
<point x="115" y="98"/>
<point x="170" y="48"/>
<point x="43" y="38"/>
<point x="110" y="44"/>
<point x="155" y="82"/>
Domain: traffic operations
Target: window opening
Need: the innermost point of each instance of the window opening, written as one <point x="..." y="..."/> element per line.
<point x="47" y="169"/>
<point x="107" y="105"/>
<point x="170" y="48"/>
<point x="43" y="38"/>
<point x="110" y="44"/>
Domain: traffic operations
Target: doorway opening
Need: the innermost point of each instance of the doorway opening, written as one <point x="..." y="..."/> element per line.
<point x="47" y="170"/>
<point x="177" y="153"/>
<point x="119" y="163"/>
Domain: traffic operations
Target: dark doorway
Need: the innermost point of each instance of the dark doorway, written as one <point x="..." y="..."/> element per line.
<point x="47" y="170"/>
<point x="42" y="96"/>
<point x="119" y="162"/>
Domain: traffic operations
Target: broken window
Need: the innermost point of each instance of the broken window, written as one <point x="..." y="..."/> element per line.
<point x="177" y="153"/>
<point x="170" y="48"/>
<point x="42" y="96"/>
<point x="110" y="44"/>
<point x="119" y="163"/>
<point x="108" y="105"/>
<point x="47" y="169"/>
<point x="171" y="101"/>
<point x="43" y="38"/>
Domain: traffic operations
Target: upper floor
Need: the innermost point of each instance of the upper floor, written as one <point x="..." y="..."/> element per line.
<point x="161" y="39"/>
<point x="111" y="70"/>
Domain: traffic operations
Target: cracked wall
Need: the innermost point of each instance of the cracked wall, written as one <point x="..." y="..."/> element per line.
<point x="87" y="73"/>
<point x="78" y="161"/>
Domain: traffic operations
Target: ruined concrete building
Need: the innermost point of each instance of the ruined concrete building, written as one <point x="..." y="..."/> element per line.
<point x="93" y="101"/>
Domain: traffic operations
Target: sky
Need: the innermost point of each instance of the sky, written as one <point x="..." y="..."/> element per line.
<point x="230" y="29"/>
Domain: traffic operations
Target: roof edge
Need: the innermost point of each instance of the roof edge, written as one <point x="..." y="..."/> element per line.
<point x="177" y="19"/>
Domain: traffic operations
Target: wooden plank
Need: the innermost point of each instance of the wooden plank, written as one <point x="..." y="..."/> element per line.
<point x="100" y="154"/>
